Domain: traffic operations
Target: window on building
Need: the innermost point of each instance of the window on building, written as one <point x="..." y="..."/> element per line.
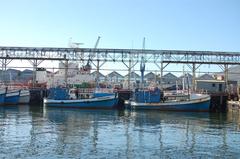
<point x="213" y="85"/>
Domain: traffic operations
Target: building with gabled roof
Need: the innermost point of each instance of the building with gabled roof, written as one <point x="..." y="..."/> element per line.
<point x="114" y="77"/>
<point x="150" y="77"/>
<point x="101" y="77"/>
<point x="169" y="78"/>
<point x="187" y="78"/>
<point x="133" y="76"/>
<point x="205" y="77"/>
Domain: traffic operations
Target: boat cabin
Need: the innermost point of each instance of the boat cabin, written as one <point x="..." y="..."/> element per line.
<point x="79" y="94"/>
<point x="148" y="96"/>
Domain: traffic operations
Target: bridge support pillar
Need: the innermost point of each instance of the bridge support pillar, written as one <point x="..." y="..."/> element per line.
<point x="130" y="65"/>
<point x="66" y="73"/>
<point x="162" y="67"/>
<point x="226" y="76"/>
<point x="4" y="63"/>
<point x="35" y="63"/>
<point x="161" y="79"/>
<point x="129" y="73"/>
<point x="194" y="77"/>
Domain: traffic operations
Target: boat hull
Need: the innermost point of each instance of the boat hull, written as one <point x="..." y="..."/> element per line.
<point x="2" y="98"/>
<point x="24" y="97"/>
<point x="202" y="105"/>
<point x="12" y="97"/>
<point x="101" y="102"/>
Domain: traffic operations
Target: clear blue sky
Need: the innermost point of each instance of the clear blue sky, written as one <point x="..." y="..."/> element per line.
<point x="166" y="24"/>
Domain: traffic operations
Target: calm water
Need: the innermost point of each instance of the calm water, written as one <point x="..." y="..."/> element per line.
<point x="36" y="132"/>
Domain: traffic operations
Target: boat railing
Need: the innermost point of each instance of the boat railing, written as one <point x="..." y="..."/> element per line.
<point x="16" y="87"/>
<point x="85" y="90"/>
<point x="201" y="91"/>
<point x="178" y="92"/>
<point x="92" y="90"/>
<point x="176" y="95"/>
<point x="104" y="90"/>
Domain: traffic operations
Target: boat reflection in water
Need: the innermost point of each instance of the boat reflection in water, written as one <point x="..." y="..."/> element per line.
<point x="137" y="134"/>
<point x="50" y="132"/>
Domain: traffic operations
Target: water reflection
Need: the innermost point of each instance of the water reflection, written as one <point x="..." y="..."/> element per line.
<point x="38" y="132"/>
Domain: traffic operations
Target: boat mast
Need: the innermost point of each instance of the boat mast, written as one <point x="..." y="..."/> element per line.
<point x="142" y="64"/>
<point x="188" y="86"/>
<point x="183" y="81"/>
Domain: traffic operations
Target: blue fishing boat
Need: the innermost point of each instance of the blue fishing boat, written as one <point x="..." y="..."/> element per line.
<point x="155" y="99"/>
<point x="60" y="97"/>
<point x="12" y="96"/>
<point x="2" y="95"/>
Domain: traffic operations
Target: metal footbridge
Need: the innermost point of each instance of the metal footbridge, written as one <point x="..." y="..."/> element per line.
<point x="130" y="57"/>
<point x="119" y="55"/>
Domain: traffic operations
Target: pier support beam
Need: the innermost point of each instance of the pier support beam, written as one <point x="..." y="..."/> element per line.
<point x="161" y="72"/>
<point x="35" y="64"/>
<point x="98" y="66"/>
<point x="226" y="76"/>
<point x="130" y="65"/>
<point x="97" y="75"/>
<point x="194" y="67"/>
<point x="66" y="73"/>
<point x="161" y="79"/>
<point x="225" y="69"/>
<point x="129" y="73"/>
<point x="4" y="63"/>
<point x="194" y="77"/>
